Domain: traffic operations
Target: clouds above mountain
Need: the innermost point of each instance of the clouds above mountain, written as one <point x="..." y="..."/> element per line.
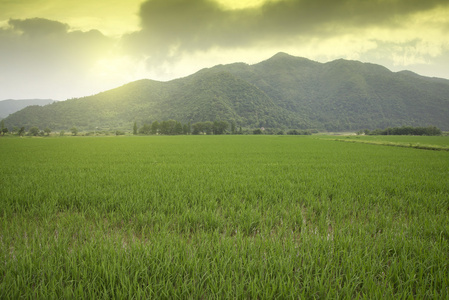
<point x="83" y="47"/>
<point x="44" y="41"/>
<point x="40" y="53"/>
<point x="172" y="28"/>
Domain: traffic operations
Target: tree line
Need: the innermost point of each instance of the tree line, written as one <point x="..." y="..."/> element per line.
<point x="32" y="131"/>
<point x="405" y="130"/>
<point x="173" y="127"/>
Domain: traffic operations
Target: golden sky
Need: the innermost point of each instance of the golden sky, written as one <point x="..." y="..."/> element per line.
<point x="71" y="48"/>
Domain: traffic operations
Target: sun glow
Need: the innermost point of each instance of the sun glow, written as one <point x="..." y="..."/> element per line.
<point x="239" y="4"/>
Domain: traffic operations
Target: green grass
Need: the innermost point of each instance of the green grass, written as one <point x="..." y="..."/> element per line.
<point x="439" y="143"/>
<point x="221" y="217"/>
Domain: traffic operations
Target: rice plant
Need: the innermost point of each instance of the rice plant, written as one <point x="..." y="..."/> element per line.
<point x="221" y="217"/>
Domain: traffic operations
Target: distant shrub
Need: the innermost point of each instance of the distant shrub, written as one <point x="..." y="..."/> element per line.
<point x="33" y="131"/>
<point x="405" y="130"/>
<point x="298" y="132"/>
<point x="74" y="131"/>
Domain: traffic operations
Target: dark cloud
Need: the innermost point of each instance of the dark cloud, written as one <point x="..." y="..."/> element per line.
<point x="172" y="27"/>
<point x="41" y="52"/>
<point x="46" y="39"/>
<point x="38" y="27"/>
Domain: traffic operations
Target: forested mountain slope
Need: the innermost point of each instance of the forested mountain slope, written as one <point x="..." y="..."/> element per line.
<point x="10" y="106"/>
<point x="283" y="91"/>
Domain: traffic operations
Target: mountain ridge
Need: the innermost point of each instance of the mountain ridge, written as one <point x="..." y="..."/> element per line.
<point x="9" y="106"/>
<point x="283" y="91"/>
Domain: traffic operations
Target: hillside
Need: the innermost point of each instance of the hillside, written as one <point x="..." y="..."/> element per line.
<point x="10" y="106"/>
<point x="283" y="91"/>
<point x="349" y="95"/>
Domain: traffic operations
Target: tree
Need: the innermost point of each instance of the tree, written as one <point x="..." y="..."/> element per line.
<point x="22" y="131"/>
<point x="34" y="131"/>
<point x="219" y="127"/>
<point x="178" y="128"/>
<point x="186" y="128"/>
<point x="47" y="130"/>
<point x="172" y="126"/>
<point x="233" y="127"/>
<point x="61" y="133"/>
<point x="74" y="131"/>
<point x="155" y="127"/>
<point x="208" y="127"/>
<point x="3" y="129"/>
<point x="167" y="127"/>
<point x="145" y="129"/>
<point x="135" y="128"/>
<point x="164" y="127"/>
<point x="215" y="127"/>
<point x="197" y="128"/>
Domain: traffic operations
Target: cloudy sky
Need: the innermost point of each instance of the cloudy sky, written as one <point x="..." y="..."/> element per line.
<point x="62" y="49"/>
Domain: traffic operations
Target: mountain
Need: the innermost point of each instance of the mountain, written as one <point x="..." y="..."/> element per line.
<point x="349" y="95"/>
<point x="283" y="91"/>
<point x="11" y="106"/>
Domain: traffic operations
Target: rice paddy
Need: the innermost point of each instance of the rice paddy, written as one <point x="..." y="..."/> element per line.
<point x="439" y="143"/>
<point x="208" y="217"/>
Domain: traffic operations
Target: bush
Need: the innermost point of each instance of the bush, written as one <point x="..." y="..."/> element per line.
<point x="406" y="130"/>
<point x="299" y="132"/>
<point x="74" y="131"/>
<point x="34" y="131"/>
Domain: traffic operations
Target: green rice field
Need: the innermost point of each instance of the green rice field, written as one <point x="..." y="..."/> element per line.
<point x="440" y="143"/>
<point x="214" y="217"/>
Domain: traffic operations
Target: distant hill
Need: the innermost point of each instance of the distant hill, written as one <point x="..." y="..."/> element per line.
<point x="11" y="106"/>
<point x="281" y="92"/>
